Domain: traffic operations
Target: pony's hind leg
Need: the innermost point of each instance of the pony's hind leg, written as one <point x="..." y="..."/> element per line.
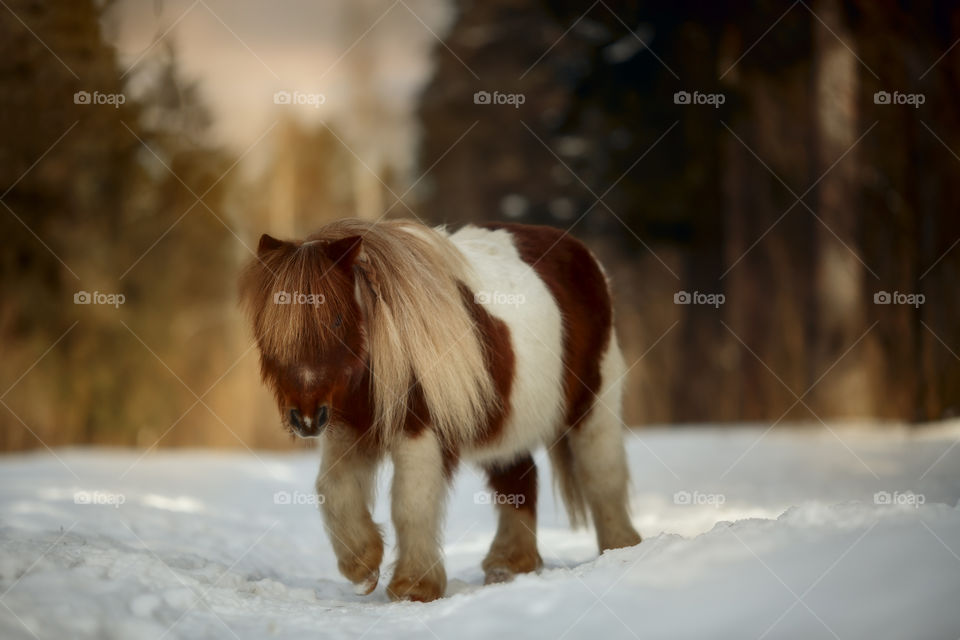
<point x="600" y="461"/>
<point x="601" y="469"/>
<point x="417" y="503"/>
<point x="514" y="549"/>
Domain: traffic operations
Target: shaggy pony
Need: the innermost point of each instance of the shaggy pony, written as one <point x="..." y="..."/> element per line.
<point x="395" y="339"/>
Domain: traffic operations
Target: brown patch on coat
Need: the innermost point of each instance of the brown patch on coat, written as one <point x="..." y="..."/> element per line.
<point x="580" y="290"/>
<point x="517" y="478"/>
<point x="499" y="359"/>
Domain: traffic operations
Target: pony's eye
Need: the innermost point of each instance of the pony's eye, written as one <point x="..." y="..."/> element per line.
<point x="338" y="321"/>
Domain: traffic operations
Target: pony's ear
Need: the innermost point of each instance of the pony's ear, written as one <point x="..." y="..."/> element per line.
<point x="344" y="252"/>
<point x="268" y="244"/>
<point x="362" y="268"/>
<point x="348" y="255"/>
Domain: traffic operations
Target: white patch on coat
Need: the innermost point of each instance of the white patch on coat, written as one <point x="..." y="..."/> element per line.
<point x="509" y="289"/>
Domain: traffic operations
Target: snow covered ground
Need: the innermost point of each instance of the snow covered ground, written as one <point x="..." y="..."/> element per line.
<point x="788" y="535"/>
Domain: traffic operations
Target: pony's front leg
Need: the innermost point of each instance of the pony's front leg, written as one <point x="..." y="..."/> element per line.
<point x="345" y="485"/>
<point x="418" y="496"/>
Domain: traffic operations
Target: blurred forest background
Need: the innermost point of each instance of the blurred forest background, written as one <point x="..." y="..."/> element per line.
<point x="799" y="195"/>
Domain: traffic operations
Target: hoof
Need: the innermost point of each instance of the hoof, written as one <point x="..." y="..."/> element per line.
<point x="422" y="590"/>
<point x="366" y="587"/>
<point x="498" y="575"/>
<point x="499" y="567"/>
<point x="627" y="539"/>
<point x="363" y="568"/>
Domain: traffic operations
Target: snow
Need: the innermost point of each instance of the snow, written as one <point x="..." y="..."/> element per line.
<point x="748" y="534"/>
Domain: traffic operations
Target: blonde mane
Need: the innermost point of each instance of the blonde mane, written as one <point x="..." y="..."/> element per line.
<point x="418" y="329"/>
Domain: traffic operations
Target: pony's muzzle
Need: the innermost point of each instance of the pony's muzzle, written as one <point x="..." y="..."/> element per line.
<point x="309" y="426"/>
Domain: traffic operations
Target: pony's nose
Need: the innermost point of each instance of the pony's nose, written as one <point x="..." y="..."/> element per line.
<point x="309" y="427"/>
<point x="322" y="415"/>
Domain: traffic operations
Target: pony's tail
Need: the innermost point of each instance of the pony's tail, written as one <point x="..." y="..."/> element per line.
<point x="565" y="479"/>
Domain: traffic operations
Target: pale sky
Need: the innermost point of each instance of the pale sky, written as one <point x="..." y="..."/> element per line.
<point x="242" y="52"/>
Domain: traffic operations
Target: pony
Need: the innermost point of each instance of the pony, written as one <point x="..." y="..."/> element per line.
<point x="395" y="339"/>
